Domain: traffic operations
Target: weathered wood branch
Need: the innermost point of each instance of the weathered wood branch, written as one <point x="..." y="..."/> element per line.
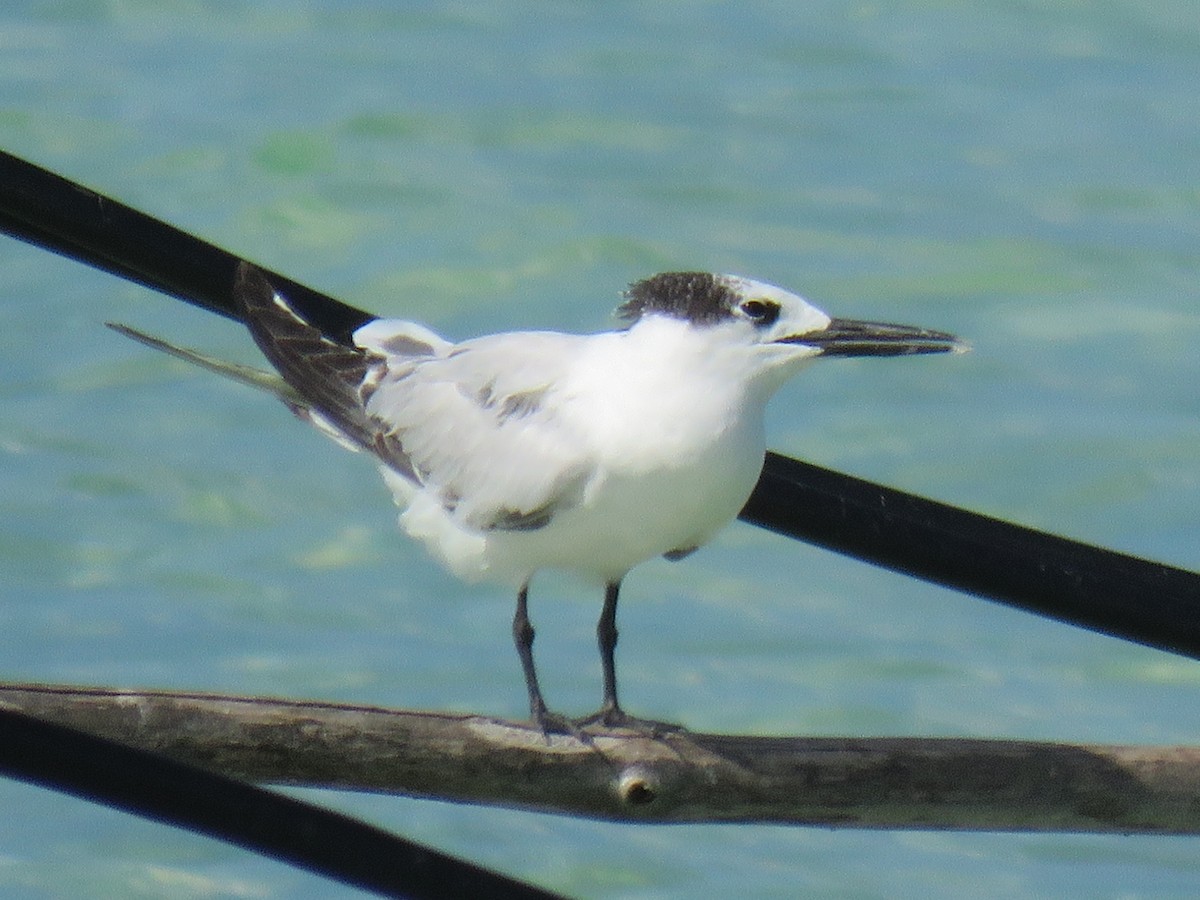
<point x="680" y="776"/>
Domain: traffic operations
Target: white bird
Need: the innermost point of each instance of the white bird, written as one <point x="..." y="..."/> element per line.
<point x="517" y="452"/>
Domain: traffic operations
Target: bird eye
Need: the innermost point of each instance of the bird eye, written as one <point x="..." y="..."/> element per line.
<point x="760" y="312"/>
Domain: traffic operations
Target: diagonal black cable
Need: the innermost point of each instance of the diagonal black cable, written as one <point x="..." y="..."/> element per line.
<point x="161" y="789"/>
<point x="1089" y="586"/>
<point x="1121" y="595"/>
<point x="59" y="215"/>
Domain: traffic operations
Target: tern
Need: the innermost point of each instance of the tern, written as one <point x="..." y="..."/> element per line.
<point x="528" y="450"/>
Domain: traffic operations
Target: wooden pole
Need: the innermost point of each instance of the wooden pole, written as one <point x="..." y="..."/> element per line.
<point x="677" y="776"/>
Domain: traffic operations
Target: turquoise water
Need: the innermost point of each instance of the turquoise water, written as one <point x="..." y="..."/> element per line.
<point x="1024" y="174"/>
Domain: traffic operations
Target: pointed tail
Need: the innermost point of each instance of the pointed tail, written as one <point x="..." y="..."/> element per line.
<point x="256" y="378"/>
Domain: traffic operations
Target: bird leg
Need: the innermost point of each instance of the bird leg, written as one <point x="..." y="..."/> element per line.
<point x="523" y="634"/>
<point x="610" y="714"/>
<point x="606" y="637"/>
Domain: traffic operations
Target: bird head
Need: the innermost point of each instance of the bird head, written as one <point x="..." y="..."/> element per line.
<point x="780" y="329"/>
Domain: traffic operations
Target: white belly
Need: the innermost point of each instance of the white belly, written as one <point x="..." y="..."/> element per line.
<point x="627" y="515"/>
<point x="627" y="519"/>
<point x="671" y="460"/>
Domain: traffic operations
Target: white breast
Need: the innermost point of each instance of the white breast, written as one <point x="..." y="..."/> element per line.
<point x="672" y="460"/>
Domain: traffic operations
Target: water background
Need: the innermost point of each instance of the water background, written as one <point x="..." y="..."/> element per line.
<point x="1021" y="173"/>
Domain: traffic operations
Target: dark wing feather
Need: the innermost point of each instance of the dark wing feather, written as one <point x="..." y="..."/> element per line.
<point x="468" y="423"/>
<point x="334" y="380"/>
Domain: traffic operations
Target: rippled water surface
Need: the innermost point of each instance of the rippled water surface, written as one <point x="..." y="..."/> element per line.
<point x="1023" y="174"/>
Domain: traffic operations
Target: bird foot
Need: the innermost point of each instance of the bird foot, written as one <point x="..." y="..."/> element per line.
<point x="607" y="718"/>
<point x="552" y="723"/>
<point x="613" y="717"/>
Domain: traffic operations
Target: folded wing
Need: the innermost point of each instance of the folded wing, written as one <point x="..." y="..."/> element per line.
<point x="472" y="423"/>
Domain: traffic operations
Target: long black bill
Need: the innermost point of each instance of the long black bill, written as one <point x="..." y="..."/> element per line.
<point x="849" y="337"/>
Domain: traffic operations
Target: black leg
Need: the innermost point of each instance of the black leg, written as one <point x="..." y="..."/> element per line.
<point x="606" y="636"/>
<point x="523" y="633"/>
<point x="523" y="638"/>
<point x="610" y="714"/>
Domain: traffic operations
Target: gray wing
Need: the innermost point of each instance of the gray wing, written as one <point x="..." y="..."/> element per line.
<point x="479" y="426"/>
<point x="474" y="422"/>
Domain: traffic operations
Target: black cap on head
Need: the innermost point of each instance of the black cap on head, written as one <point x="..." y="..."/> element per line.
<point x="698" y="297"/>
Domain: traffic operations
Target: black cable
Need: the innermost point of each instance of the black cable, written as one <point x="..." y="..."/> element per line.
<point x="51" y="212"/>
<point x="1088" y="586"/>
<point x="1094" y="588"/>
<point x="300" y="833"/>
<point x="56" y="214"/>
<point x="1085" y="585"/>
